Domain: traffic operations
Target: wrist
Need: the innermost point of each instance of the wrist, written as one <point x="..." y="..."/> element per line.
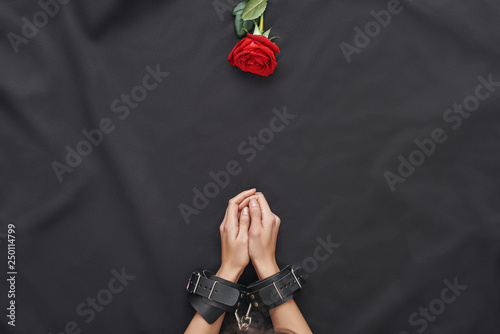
<point x="229" y="274"/>
<point x="264" y="270"/>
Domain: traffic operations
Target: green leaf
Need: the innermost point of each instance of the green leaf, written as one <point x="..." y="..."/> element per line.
<point x="247" y="25"/>
<point x="239" y="8"/>
<point x="240" y="26"/>
<point x="274" y="37"/>
<point x="266" y="34"/>
<point x="254" y="9"/>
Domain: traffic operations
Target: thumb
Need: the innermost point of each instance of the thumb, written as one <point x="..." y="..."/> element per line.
<point x="255" y="214"/>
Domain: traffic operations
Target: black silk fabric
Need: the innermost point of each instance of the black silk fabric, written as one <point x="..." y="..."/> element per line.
<point x="124" y="131"/>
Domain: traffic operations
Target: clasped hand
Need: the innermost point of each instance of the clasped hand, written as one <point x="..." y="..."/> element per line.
<point x="248" y="233"/>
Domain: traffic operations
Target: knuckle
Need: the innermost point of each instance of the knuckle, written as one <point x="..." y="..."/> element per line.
<point x="271" y="220"/>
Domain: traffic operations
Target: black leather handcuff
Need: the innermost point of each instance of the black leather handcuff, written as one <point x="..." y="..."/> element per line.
<point x="275" y="290"/>
<point x="211" y="296"/>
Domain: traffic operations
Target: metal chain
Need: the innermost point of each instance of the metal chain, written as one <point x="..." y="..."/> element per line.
<point x="245" y="321"/>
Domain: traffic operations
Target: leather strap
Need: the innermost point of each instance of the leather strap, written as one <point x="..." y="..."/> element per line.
<point x="212" y="289"/>
<point x="211" y="296"/>
<point x="277" y="289"/>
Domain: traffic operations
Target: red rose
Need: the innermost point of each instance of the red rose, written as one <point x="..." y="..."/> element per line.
<point x="255" y="54"/>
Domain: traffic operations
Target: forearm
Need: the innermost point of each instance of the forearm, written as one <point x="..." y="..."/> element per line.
<point x="199" y="326"/>
<point x="288" y="317"/>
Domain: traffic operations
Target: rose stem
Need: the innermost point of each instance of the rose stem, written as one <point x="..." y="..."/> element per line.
<point x="262" y="23"/>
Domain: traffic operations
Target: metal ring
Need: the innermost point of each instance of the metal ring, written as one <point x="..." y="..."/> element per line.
<point x="198" y="281"/>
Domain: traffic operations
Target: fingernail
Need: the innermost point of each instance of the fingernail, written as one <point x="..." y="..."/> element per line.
<point x="244" y="211"/>
<point x="253" y="202"/>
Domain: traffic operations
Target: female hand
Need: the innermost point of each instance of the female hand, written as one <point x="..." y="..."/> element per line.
<point x="234" y="239"/>
<point x="262" y="235"/>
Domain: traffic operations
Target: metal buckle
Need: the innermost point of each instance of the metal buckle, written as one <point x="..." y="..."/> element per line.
<point x="212" y="290"/>
<point x="196" y="285"/>
<point x="245" y="321"/>
<point x="300" y="286"/>
<point x="277" y="290"/>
